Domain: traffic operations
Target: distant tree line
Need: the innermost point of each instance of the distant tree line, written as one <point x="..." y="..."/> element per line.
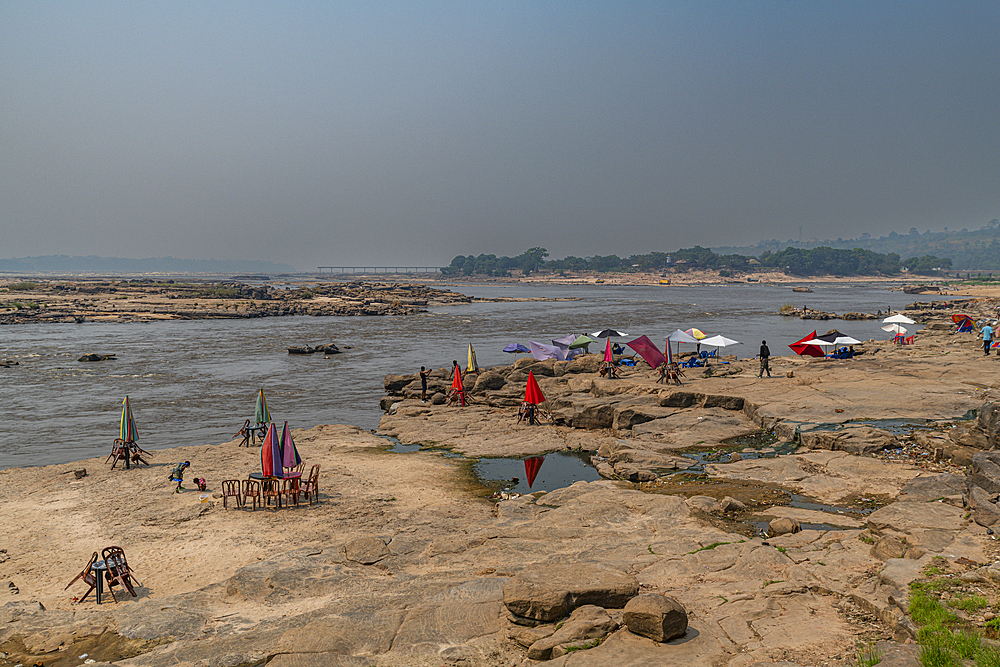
<point x="796" y="261"/>
<point x="967" y="249"/>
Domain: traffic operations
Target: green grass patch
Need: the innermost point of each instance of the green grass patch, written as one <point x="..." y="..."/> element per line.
<point x="867" y="655"/>
<point x="708" y="547"/>
<point x="970" y="603"/>
<point x="22" y="286"/>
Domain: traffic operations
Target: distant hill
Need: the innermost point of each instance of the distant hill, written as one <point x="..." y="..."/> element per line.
<point x="116" y="265"/>
<point x="968" y="250"/>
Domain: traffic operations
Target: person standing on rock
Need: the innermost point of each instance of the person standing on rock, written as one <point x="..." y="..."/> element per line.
<point x="423" y="383"/>
<point x="987" y="332"/>
<point x="765" y="358"/>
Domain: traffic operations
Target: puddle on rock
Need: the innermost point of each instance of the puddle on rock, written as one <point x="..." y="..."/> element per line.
<point x="400" y="448"/>
<point x="546" y="473"/>
<point x="756" y="445"/>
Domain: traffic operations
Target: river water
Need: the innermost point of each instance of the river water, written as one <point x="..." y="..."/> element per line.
<point x="194" y="382"/>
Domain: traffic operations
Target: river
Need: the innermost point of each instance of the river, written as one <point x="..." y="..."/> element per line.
<point x="195" y="381"/>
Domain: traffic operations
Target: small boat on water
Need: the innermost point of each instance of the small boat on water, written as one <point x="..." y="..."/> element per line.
<point x="801" y="289"/>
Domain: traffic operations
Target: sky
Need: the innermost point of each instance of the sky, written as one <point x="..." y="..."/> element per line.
<point x="406" y="133"/>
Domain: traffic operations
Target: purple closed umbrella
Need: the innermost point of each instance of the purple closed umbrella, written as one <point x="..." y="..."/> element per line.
<point x="289" y="455"/>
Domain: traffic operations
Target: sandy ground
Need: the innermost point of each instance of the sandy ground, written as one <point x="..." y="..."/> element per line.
<point x="176" y="543"/>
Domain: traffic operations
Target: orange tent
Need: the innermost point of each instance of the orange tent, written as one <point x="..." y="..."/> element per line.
<point x="533" y="393"/>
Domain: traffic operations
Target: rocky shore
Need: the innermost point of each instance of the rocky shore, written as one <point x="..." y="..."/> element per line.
<point x="779" y="520"/>
<point x="51" y="301"/>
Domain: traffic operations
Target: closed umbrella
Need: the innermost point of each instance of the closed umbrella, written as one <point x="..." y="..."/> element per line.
<point x="270" y="453"/>
<point x="608" y="357"/>
<point x="289" y="454"/>
<point x="456" y="385"/>
<point x="261" y="414"/>
<point x="128" y="433"/>
<point x="533" y="393"/>
<point x="473" y="366"/>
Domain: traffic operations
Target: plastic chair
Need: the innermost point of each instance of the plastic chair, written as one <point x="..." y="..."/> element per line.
<point x="231" y="489"/>
<point x="310" y="488"/>
<point x="118" y="571"/>
<point x="87" y="574"/>
<point x="251" y="489"/>
<point x="271" y="488"/>
<point x="290" y="490"/>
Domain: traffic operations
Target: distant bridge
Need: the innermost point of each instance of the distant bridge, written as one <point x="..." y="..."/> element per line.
<point x="364" y="270"/>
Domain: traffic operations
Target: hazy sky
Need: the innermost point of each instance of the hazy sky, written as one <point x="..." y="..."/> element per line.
<point x="323" y="133"/>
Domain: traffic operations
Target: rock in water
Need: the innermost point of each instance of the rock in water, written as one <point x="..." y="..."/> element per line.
<point x="658" y="617"/>
<point x="783" y="526"/>
<point x="96" y="357"/>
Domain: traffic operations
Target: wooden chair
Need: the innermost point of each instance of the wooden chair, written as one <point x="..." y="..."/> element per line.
<point x="290" y="490"/>
<point x="88" y="576"/>
<point x="271" y="488"/>
<point x="231" y="489"/>
<point x="251" y="490"/>
<point x="300" y="467"/>
<point x="118" y="571"/>
<point x="246" y="433"/>
<point x="310" y="488"/>
<point x="119" y="452"/>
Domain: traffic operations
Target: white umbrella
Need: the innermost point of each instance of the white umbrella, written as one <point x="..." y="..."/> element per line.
<point x="719" y="341"/>
<point x="679" y="336"/>
<point x="846" y="340"/>
<point x="895" y="328"/>
<point x="839" y="340"/>
<point x="897" y="319"/>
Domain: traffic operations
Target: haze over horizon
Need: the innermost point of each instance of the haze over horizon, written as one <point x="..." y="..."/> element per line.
<point x="341" y="134"/>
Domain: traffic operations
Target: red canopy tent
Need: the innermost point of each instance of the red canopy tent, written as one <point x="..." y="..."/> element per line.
<point x="807" y="350"/>
<point x="647" y="350"/>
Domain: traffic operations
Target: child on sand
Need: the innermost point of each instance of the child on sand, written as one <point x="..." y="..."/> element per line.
<point x="177" y="474"/>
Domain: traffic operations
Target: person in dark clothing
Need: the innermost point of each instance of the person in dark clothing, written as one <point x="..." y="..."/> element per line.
<point x="423" y="384"/>
<point x="765" y="356"/>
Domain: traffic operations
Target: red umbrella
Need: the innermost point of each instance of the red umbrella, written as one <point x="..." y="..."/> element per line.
<point x="607" y="352"/>
<point x="456" y="385"/>
<point x="807" y="350"/>
<point x="531" y="468"/>
<point x="533" y="393"/>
